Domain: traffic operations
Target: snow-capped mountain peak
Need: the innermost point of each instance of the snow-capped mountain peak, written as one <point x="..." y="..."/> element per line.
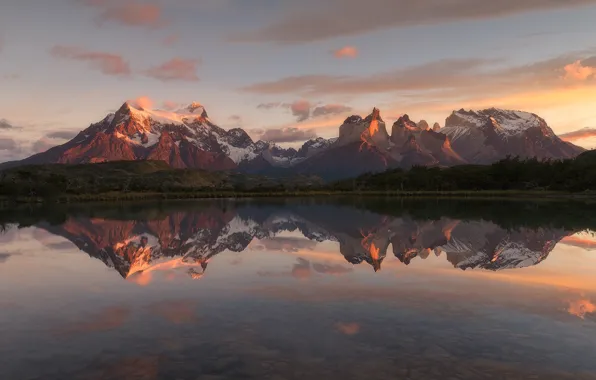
<point x="187" y="138"/>
<point x="505" y="121"/>
<point x="488" y="135"/>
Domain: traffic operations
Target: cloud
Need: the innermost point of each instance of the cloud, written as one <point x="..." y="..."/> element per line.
<point x="577" y="71"/>
<point x="8" y="144"/>
<point x="236" y="118"/>
<point x="62" y="246"/>
<point x="272" y="105"/>
<point x="129" y="13"/>
<point x="62" y="135"/>
<point x="346" y="52"/>
<point x="4" y="257"/>
<point x="330" y="109"/>
<point x="331" y="269"/>
<point x="143" y="102"/>
<point x="458" y="82"/>
<point x="436" y="74"/>
<point x="300" y="270"/>
<point x="176" y="69"/>
<point x="5" y="124"/>
<point x="42" y="145"/>
<point x="300" y="109"/>
<point x="578" y="135"/>
<point x="107" y="63"/>
<point x="287" y="135"/>
<point x="287" y="244"/>
<point x="314" y="20"/>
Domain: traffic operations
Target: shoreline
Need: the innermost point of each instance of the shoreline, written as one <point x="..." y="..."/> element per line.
<point x="120" y="197"/>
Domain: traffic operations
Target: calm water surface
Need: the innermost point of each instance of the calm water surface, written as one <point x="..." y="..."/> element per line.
<point x="295" y="289"/>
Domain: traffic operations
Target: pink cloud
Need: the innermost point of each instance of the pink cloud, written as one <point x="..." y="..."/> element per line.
<point x="577" y="71"/>
<point x="129" y="13"/>
<point x="346" y="52"/>
<point x="578" y="135"/>
<point x="330" y="109"/>
<point x="176" y="69"/>
<point x="107" y="63"/>
<point x="317" y="23"/>
<point x="143" y="102"/>
<point x="301" y="109"/>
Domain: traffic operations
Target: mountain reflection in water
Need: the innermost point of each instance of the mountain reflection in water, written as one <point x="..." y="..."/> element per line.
<point x="188" y="240"/>
<point x="302" y="288"/>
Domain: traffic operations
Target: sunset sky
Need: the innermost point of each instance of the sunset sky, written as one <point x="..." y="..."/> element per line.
<point x="298" y="66"/>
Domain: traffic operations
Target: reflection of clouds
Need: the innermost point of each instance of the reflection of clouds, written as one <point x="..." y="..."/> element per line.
<point x="61" y="246"/>
<point x="348" y="328"/>
<point x="175" y="311"/>
<point x="585" y="240"/>
<point x="285" y="244"/>
<point x="581" y="307"/>
<point x="303" y="270"/>
<point x="108" y="319"/>
<point x="331" y="269"/>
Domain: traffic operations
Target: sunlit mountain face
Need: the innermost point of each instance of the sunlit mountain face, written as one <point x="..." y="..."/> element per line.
<point x="324" y="288"/>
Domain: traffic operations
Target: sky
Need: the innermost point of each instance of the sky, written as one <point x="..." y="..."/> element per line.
<point x="292" y="69"/>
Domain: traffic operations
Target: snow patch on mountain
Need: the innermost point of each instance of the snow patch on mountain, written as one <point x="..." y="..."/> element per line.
<point x="506" y="122"/>
<point x="237" y="154"/>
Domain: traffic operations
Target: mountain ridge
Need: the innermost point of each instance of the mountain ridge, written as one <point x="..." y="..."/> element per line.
<point x="187" y="138"/>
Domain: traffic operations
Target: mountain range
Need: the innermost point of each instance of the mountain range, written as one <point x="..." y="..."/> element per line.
<point x="187" y="138"/>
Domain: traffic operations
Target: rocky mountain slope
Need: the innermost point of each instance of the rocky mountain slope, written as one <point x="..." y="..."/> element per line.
<point x="187" y="138"/>
<point x="486" y="136"/>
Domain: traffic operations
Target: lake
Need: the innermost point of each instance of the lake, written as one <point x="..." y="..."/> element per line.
<point x="339" y="288"/>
